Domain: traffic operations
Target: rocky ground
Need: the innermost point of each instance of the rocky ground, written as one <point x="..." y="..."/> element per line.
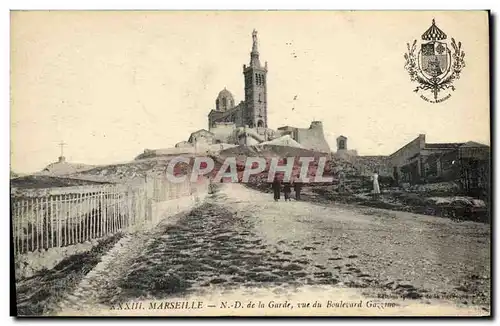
<point x="241" y="238"/>
<point x="38" y="294"/>
<point x="458" y="207"/>
<point x="42" y="182"/>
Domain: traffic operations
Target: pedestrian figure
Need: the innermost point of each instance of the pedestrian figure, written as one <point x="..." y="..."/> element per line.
<point x="276" y="188"/>
<point x="297" y="186"/>
<point x="376" y="187"/>
<point x="287" y="190"/>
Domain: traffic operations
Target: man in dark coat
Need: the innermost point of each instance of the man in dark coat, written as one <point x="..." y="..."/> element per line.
<point x="287" y="190"/>
<point x="297" y="187"/>
<point x="276" y="188"/>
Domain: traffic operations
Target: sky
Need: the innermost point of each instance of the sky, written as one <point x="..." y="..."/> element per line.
<point x="111" y="84"/>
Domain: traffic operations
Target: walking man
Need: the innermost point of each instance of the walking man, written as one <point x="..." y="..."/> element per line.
<point x="297" y="186"/>
<point x="287" y="190"/>
<point x="276" y="188"/>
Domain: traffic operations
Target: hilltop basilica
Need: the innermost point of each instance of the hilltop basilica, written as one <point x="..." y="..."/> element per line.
<point x="253" y="111"/>
<point x="246" y="123"/>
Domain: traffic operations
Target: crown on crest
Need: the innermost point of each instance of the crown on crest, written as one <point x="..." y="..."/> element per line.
<point x="434" y="33"/>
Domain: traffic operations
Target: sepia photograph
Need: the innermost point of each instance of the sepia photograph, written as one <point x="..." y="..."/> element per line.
<point x="219" y="163"/>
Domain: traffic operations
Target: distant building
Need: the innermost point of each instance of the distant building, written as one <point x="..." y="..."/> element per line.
<point x="246" y="123"/>
<point x="420" y="162"/>
<point x="253" y="111"/>
<point x="343" y="151"/>
<point x="341" y="143"/>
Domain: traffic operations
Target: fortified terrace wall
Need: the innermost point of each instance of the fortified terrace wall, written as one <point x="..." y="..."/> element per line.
<point x="312" y="138"/>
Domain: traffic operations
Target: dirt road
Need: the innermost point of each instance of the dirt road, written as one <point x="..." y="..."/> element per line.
<point x="240" y="238"/>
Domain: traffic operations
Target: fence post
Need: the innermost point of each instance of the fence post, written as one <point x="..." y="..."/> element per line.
<point x="68" y="219"/>
<point x="37" y="218"/>
<point x="94" y="212"/>
<point x="83" y="218"/>
<point x="113" y="223"/>
<point x="124" y="209"/>
<point x="146" y="211"/>
<point x="33" y="221"/>
<point x="65" y="222"/>
<point x="21" y="227"/>
<point x="14" y="218"/>
<point x="23" y="210"/>
<point x="59" y="219"/>
<point x="86" y="217"/>
<point x="67" y="231"/>
<point x="78" y="214"/>
<point x="97" y="214"/>
<point x="137" y="206"/>
<point x="103" y="211"/>
<point x="110" y="211"/>
<point x="51" y="221"/>
<point x="18" y="224"/>
<point x="117" y="203"/>
<point x="129" y="207"/>
<point x="72" y="218"/>
<point x="94" y="215"/>
<point x="46" y="221"/>
<point x="118" y="210"/>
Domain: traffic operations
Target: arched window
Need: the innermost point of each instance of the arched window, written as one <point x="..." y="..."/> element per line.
<point x="341" y="144"/>
<point x="224" y="103"/>
<point x="260" y="123"/>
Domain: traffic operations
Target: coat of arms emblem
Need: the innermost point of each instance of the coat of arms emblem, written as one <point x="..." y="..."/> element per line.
<point x="434" y="66"/>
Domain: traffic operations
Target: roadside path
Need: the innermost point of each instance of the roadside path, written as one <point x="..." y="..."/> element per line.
<point x="241" y="239"/>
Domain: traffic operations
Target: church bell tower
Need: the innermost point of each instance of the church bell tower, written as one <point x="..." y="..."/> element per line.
<point x="255" y="89"/>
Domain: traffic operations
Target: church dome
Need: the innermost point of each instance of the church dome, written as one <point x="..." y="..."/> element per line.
<point x="224" y="101"/>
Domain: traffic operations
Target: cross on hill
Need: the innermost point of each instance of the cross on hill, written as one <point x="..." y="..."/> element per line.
<point x="62" y="144"/>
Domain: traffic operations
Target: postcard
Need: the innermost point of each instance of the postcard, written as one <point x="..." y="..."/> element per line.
<point x="250" y="163"/>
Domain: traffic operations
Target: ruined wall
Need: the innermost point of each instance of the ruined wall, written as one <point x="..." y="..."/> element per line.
<point x="367" y="165"/>
<point x="347" y="154"/>
<point x="402" y="155"/>
<point x="183" y="144"/>
<point x="313" y="138"/>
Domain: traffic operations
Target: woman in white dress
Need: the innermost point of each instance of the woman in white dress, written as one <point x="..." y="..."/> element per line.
<point x="376" y="187"/>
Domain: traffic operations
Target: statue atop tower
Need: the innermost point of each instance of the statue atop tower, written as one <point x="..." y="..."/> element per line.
<point x="254" y="55"/>
<point x="255" y="88"/>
